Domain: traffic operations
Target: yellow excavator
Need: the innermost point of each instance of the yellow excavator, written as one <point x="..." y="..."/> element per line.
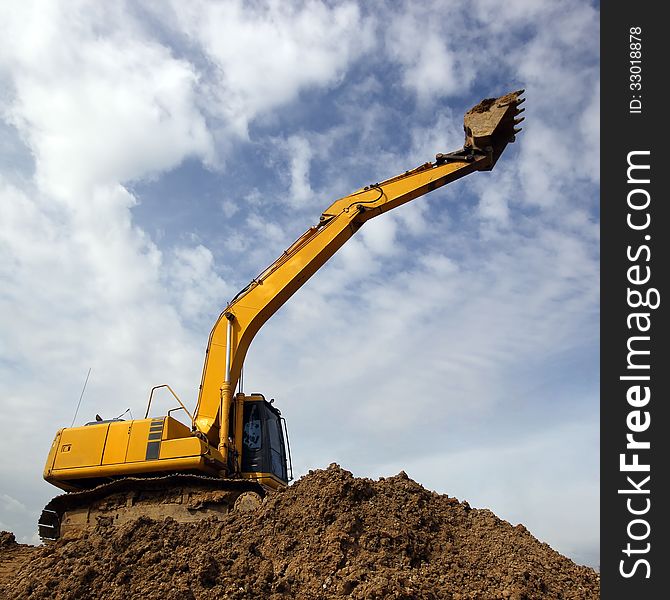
<point x="235" y="448"/>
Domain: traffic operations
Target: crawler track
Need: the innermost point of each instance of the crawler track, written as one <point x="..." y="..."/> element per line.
<point x="184" y="498"/>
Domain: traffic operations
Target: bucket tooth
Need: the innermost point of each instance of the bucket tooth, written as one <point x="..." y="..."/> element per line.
<point x="517" y="121"/>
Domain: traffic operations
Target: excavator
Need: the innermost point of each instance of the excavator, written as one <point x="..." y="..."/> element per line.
<point x="234" y="450"/>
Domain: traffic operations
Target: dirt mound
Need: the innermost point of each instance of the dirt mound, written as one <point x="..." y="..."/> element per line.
<point x="7" y="540"/>
<point x="13" y="557"/>
<point x="328" y="536"/>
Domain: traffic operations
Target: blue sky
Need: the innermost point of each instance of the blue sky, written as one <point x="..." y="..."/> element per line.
<point x="156" y="156"/>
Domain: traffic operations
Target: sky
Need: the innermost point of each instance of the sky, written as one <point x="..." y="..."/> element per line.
<point x="156" y="156"/>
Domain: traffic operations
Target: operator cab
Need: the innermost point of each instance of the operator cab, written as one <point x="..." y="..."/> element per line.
<point x="264" y="447"/>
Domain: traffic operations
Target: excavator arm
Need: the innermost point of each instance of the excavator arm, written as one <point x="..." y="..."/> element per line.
<point x="489" y="127"/>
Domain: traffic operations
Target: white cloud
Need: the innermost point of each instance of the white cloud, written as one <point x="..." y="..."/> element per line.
<point x="589" y="126"/>
<point x="197" y="287"/>
<point x="100" y="282"/>
<point x="494" y="200"/>
<point x="431" y="64"/>
<point x="97" y="106"/>
<point x="379" y="238"/>
<point x="300" y="155"/>
<point x="263" y="55"/>
<point x="11" y="504"/>
<point x="444" y="133"/>
<point x="229" y="208"/>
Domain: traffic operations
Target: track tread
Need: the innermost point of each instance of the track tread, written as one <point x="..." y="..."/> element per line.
<point x="49" y="522"/>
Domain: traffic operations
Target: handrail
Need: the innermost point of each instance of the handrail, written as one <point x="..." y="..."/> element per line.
<point x="165" y="385"/>
<point x="288" y="447"/>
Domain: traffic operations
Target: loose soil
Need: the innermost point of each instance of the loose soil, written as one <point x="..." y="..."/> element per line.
<point x="13" y="557"/>
<point x="330" y="535"/>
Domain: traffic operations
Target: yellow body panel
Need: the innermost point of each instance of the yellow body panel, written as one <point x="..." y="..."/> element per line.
<point x="116" y="445"/>
<point x="139" y="436"/>
<point x="266" y="479"/>
<point x="175" y="429"/>
<point x="81" y="447"/>
<point x="127" y="448"/>
<point x="182" y="447"/>
<point x="55" y="445"/>
<point x="188" y="463"/>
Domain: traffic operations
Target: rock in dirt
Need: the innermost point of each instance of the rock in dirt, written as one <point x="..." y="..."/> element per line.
<point x="330" y="535"/>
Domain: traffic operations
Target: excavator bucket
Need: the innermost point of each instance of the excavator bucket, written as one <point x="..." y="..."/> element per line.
<point x="491" y="125"/>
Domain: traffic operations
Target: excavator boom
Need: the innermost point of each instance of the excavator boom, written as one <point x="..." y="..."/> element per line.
<point x="489" y="127"/>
